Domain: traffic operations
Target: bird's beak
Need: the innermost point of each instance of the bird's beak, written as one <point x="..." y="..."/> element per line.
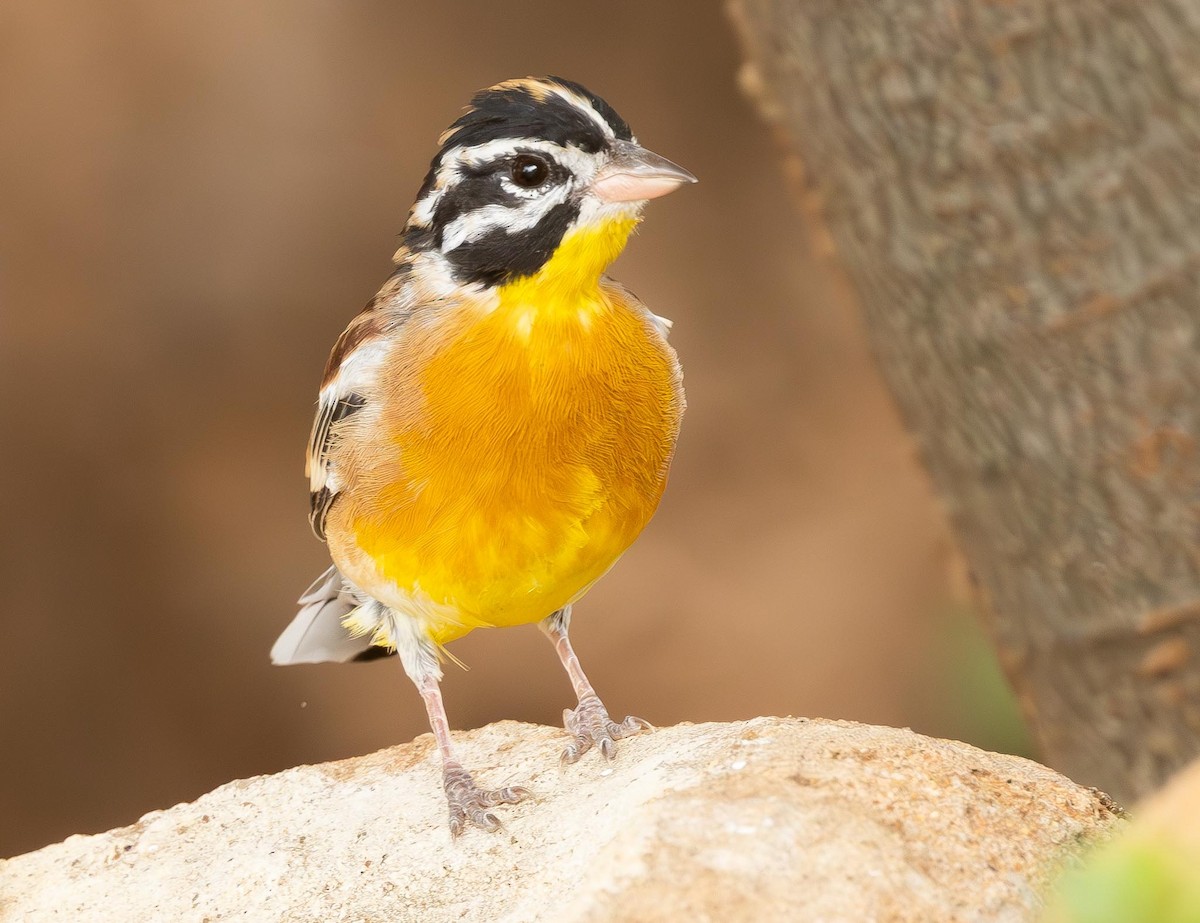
<point x="634" y="174"/>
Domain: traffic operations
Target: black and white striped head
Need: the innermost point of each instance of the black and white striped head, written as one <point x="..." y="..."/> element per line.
<point x="530" y="161"/>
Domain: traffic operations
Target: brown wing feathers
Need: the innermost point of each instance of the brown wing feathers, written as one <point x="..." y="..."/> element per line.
<point x="338" y="401"/>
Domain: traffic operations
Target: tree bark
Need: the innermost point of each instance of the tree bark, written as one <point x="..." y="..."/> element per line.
<point x="1014" y="189"/>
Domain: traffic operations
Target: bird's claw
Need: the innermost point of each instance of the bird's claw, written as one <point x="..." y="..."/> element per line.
<point x="591" y="726"/>
<point x="469" y="803"/>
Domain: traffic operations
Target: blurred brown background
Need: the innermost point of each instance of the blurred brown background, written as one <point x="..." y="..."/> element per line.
<point x="194" y="199"/>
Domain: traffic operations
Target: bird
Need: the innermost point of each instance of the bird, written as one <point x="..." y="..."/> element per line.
<point x="496" y="427"/>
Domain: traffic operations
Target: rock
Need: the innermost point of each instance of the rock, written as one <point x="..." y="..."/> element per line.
<point x="770" y="819"/>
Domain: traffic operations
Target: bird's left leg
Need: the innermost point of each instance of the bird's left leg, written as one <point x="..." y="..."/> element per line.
<point x="588" y="721"/>
<point x="467" y="802"/>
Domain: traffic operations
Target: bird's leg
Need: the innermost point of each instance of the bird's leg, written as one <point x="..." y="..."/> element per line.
<point x="588" y="721"/>
<point x="468" y="803"/>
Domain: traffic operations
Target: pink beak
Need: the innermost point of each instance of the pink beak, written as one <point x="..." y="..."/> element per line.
<point x="634" y="174"/>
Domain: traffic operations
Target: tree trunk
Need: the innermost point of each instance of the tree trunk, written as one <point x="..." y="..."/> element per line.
<point x="1014" y="188"/>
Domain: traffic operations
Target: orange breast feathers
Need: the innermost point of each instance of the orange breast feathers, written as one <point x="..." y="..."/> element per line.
<point x="517" y="452"/>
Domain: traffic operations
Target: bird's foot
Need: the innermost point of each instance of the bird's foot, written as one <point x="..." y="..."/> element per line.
<point x="591" y="726"/>
<point x="469" y="803"/>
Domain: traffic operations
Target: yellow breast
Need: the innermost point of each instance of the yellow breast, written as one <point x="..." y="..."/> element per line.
<point x="523" y="446"/>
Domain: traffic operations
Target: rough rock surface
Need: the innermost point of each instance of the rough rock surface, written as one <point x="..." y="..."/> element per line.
<point x="770" y="819"/>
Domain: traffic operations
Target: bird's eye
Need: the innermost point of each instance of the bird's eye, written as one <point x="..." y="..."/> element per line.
<point x="529" y="171"/>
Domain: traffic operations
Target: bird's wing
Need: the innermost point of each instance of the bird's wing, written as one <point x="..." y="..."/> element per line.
<point x="349" y="382"/>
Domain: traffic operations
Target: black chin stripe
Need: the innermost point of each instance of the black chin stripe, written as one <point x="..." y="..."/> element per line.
<point x="498" y="257"/>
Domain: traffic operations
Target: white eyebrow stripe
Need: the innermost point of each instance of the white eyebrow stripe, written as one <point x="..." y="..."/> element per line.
<point x="584" y="105"/>
<point x="570" y="157"/>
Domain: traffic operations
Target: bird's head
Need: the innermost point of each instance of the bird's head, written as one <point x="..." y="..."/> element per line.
<point x="535" y="170"/>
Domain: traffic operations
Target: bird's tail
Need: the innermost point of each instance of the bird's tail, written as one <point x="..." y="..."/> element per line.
<point x="316" y="634"/>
